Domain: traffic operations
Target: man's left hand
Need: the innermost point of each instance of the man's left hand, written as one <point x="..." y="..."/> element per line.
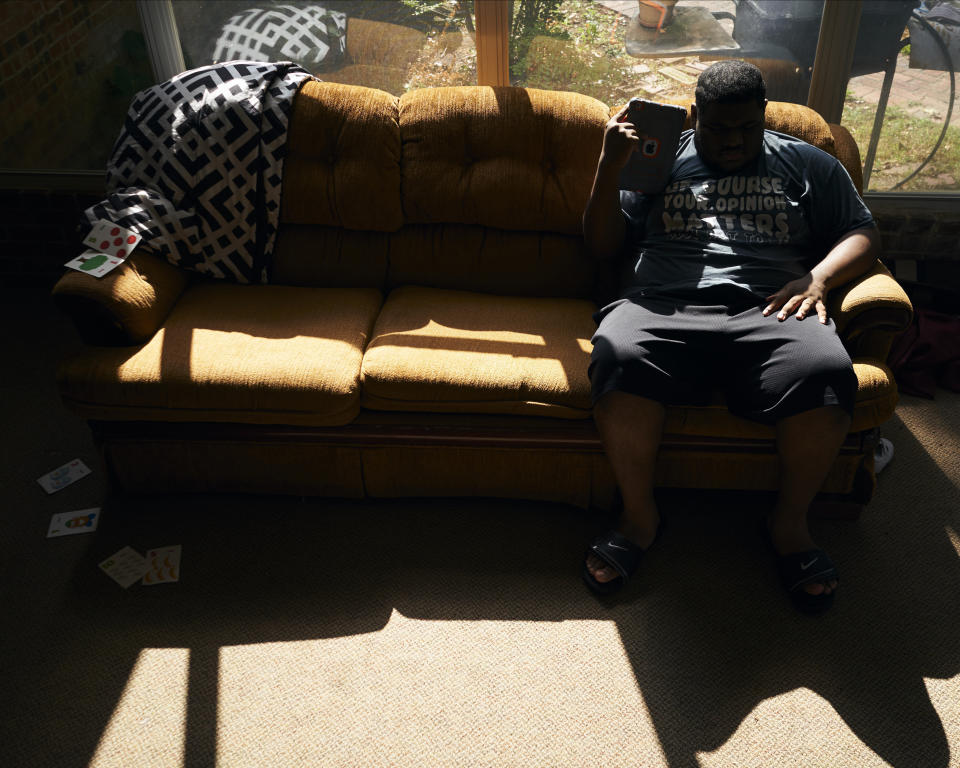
<point x="803" y="296"/>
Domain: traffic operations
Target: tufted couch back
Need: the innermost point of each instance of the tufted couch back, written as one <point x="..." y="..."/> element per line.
<point x="474" y="188"/>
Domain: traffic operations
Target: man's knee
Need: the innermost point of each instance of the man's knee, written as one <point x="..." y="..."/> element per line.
<point x="810" y="424"/>
<point x="623" y="416"/>
<point x="798" y="387"/>
<point x="618" y="404"/>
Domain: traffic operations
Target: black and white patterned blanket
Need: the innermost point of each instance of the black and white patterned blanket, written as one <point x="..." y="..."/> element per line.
<point x="197" y="170"/>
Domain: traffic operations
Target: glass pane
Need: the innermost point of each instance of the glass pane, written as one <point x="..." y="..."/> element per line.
<point x="907" y="84"/>
<point x="394" y="45"/>
<point x="656" y="49"/>
<point x="578" y="45"/>
<point x="69" y="71"/>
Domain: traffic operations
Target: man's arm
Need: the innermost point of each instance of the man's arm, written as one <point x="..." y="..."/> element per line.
<point x="851" y="256"/>
<point x="604" y="228"/>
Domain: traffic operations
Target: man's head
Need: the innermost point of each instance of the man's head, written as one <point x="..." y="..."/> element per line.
<point x="728" y="116"/>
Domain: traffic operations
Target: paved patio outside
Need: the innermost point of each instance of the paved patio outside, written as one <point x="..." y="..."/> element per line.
<point x="920" y="92"/>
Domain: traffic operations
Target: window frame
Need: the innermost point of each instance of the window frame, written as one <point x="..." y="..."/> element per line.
<point x="835" y="46"/>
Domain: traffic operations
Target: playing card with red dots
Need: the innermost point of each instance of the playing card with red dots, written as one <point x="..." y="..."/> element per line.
<point x="94" y="263"/>
<point x="111" y="239"/>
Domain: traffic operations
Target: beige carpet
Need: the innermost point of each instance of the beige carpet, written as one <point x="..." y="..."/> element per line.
<point x="458" y="632"/>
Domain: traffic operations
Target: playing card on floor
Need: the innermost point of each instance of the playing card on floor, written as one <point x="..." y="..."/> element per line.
<point x="61" y="477"/>
<point x="112" y="239"/>
<point x="70" y="523"/>
<point x="163" y="565"/>
<point x="94" y="263"/>
<point x="125" y="566"/>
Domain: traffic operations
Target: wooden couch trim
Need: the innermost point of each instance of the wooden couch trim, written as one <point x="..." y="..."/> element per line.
<point x="577" y="436"/>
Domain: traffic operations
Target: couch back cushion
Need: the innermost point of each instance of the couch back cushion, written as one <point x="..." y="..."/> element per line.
<point x="802" y="122"/>
<point x="495" y="181"/>
<point x="331" y="257"/>
<point x="509" y="158"/>
<point x="473" y="188"/>
<point x="470" y="188"/>
<point x="490" y="260"/>
<point x="343" y="166"/>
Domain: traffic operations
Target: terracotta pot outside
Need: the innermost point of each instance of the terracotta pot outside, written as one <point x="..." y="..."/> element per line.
<point x="655" y="14"/>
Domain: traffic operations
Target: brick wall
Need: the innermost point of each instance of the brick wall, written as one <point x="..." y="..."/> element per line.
<point x="921" y="240"/>
<point x="68" y="69"/>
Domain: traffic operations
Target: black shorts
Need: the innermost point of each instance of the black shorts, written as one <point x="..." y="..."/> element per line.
<point x="679" y="353"/>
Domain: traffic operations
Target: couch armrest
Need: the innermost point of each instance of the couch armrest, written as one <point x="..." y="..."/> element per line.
<point x="870" y="312"/>
<point x="125" y="306"/>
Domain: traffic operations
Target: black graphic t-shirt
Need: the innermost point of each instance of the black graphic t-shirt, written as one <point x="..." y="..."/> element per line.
<point x="758" y="228"/>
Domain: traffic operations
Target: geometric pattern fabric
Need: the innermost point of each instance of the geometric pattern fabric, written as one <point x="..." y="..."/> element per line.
<point x="308" y="35"/>
<point x="198" y="167"/>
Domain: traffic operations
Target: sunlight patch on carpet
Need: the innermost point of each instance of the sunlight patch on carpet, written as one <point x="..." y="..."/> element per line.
<point x="798" y="728"/>
<point x="945" y="697"/>
<point x="954" y="539"/>
<point x="426" y="692"/>
<point x="148" y="725"/>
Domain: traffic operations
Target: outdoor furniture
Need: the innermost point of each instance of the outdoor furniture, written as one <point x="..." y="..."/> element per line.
<point x="786" y="30"/>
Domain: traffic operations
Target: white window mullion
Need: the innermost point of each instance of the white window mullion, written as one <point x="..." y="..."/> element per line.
<point x="839" y="27"/>
<point x="163" y="42"/>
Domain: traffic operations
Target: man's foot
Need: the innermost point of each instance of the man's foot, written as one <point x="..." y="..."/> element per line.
<point x="640" y="536"/>
<point x="789" y="540"/>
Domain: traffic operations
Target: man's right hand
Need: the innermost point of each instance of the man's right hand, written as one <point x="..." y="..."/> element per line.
<point x="604" y="228"/>
<point x="620" y="140"/>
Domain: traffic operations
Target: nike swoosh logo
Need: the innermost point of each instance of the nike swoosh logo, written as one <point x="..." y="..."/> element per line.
<point x="617" y="546"/>
<point x="804" y="566"/>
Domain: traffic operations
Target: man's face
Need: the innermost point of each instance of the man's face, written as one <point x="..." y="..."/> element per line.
<point x="729" y="136"/>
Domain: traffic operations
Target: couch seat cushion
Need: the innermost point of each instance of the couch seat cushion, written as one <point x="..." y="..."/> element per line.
<point x="443" y="350"/>
<point x="457" y="351"/>
<point x="259" y="354"/>
<point x="876" y="400"/>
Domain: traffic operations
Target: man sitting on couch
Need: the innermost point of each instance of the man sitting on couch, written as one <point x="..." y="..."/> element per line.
<point x="753" y="229"/>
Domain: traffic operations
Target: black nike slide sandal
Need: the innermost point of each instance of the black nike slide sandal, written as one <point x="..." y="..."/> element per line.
<point x="798" y="569"/>
<point x="618" y="552"/>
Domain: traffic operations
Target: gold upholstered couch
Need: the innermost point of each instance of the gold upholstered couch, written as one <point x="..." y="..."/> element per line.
<point x="427" y="327"/>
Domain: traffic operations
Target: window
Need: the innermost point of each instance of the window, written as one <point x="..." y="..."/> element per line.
<point x="394" y="45"/>
<point x="578" y="45"/>
<point x="615" y="50"/>
<point x="898" y="102"/>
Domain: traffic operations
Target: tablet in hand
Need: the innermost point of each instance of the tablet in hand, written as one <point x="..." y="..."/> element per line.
<point x="659" y="126"/>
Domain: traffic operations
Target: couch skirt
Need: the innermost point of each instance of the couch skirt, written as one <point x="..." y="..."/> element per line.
<point x="568" y="467"/>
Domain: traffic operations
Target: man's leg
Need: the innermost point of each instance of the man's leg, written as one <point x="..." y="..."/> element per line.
<point x="801" y="369"/>
<point x="808" y="444"/>
<point x="630" y="428"/>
